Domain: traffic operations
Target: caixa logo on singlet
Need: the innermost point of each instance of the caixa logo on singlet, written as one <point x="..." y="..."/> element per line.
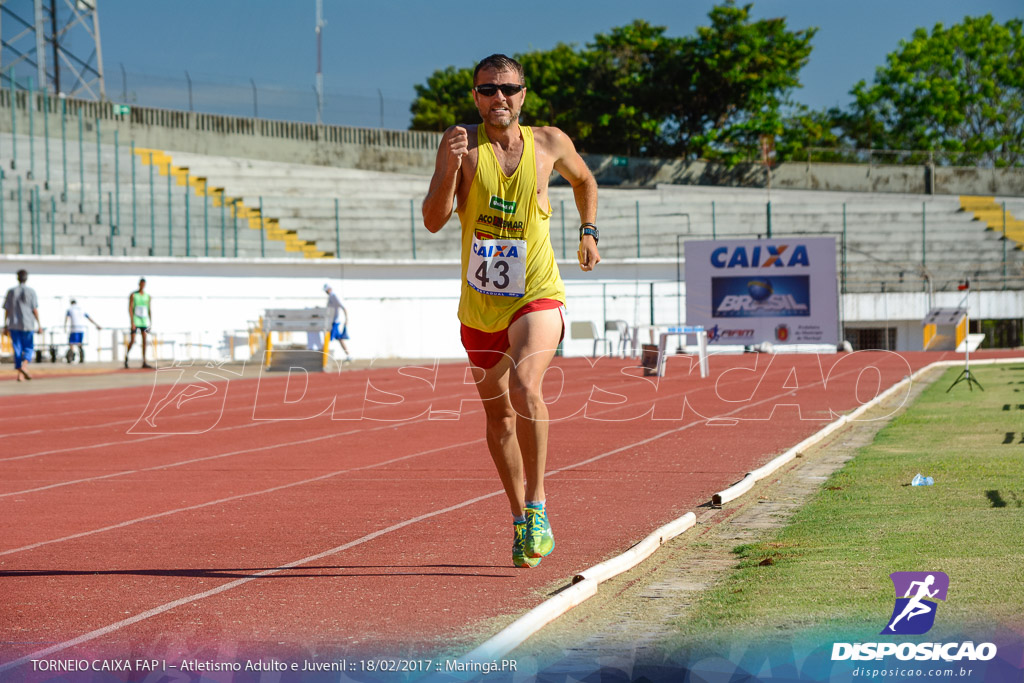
<point x="499" y="204"/>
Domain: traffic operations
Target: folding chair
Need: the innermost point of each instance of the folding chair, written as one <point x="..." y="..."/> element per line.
<point x="620" y="327"/>
<point x="588" y="330"/>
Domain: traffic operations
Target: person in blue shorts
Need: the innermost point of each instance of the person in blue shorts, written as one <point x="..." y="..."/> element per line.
<point x="21" y="306"/>
<point x="339" y="320"/>
<point x="77" y="317"/>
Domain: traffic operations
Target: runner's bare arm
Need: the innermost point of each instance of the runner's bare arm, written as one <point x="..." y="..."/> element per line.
<point x="440" y="200"/>
<point x="570" y="165"/>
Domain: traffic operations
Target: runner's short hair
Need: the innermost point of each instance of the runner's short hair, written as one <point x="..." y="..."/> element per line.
<point x="500" y="62"/>
<point x="22" y="275"/>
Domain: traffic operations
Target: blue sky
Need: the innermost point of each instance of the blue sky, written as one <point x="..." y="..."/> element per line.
<point x="376" y="51"/>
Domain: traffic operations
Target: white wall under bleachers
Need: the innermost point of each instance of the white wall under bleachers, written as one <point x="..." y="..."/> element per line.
<point x="397" y="308"/>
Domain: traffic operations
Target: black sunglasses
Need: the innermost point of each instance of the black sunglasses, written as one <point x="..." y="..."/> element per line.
<point x="491" y="89"/>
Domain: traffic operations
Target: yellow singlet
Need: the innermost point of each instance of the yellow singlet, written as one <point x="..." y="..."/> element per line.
<point x="507" y="259"/>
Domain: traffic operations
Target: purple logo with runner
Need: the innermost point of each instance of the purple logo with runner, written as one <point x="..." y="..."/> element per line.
<point x="916" y="593"/>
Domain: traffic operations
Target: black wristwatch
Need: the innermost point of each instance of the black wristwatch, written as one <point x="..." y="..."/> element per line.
<point x="590" y="229"/>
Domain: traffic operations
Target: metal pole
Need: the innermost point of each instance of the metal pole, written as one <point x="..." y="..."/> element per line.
<point x="604" y="304"/>
<point x="768" y="208"/>
<point x="21" y="218"/>
<point x="713" y="235"/>
<point x="64" y="144"/>
<point x="223" y="238"/>
<point x="263" y="243"/>
<point x="170" y="221"/>
<point x="234" y="219"/>
<point x="563" y="230"/>
<point x="924" y="222"/>
<point x="206" y="220"/>
<point x="412" y="225"/>
<point x="152" y="209"/>
<point x="188" y="222"/>
<point x="38" y="214"/>
<point x="135" y="221"/>
<point x="31" y="129"/>
<point x="14" y="120"/>
<point x="652" y="303"/>
<point x="117" y="180"/>
<point x="1004" y="245"/>
<point x="843" y="255"/>
<point x="638" y="234"/>
<point x="337" y="230"/>
<point x="81" y="163"/>
<point x="46" y="134"/>
<point x="1" y="213"/>
<point x="33" y="198"/>
<point x="53" y="225"/>
<point x="110" y="220"/>
<point x="99" y="174"/>
<point x="679" y="280"/>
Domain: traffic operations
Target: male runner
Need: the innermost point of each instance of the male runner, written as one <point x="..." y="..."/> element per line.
<point x="140" y="312"/>
<point x="496" y="173"/>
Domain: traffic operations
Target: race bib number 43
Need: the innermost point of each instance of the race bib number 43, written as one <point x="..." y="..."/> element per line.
<point x="497" y="267"/>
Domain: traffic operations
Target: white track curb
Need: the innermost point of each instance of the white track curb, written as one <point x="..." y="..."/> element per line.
<point x="584" y="585"/>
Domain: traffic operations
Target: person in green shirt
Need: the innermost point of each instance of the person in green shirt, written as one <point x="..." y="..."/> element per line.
<point x="140" y="312"/>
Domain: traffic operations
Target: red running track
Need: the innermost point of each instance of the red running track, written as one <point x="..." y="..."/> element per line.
<point x="358" y="513"/>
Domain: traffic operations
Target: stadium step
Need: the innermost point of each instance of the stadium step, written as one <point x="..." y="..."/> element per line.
<point x="995" y="218"/>
<point x="252" y="215"/>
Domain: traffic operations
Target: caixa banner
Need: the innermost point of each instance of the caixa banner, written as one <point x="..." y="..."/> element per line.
<point x="781" y="291"/>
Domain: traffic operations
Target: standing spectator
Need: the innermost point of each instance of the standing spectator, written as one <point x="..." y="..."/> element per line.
<point x="21" y="305"/>
<point x="140" y="312"/>
<point x="77" y="317"/>
<point x="339" y="320"/>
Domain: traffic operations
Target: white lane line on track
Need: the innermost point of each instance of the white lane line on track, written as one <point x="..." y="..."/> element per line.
<point x="110" y="628"/>
<point x="320" y="438"/>
<point x="386" y="425"/>
<point x="248" y="408"/>
<point x="190" y="461"/>
<point x="238" y="497"/>
<point x="313" y="394"/>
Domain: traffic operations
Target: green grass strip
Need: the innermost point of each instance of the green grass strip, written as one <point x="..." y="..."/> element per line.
<point x="828" y="569"/>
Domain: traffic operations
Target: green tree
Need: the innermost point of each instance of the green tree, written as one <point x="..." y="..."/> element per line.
<point x="445" y="100"/>
<point x="636" y="91"/>
<point x="625" y="104"/>
<point x="732" y="81"/>
<point x="958" y="89"/>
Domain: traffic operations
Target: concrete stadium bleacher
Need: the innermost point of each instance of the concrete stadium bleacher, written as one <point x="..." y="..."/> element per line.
<point x="885" y="242"/>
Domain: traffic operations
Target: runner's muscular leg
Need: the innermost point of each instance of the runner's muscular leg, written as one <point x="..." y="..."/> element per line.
<point x="533" y="340"/>
<point x="492" y="385"/>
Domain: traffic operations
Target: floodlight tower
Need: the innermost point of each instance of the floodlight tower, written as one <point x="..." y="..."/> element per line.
<point x="320" y="23"/>
<point x="27" y="29"/>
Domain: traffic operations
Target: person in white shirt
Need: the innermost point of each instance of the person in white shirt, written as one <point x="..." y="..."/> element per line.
<point x="339" y="320"/>
<point x="77" y="317"/>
